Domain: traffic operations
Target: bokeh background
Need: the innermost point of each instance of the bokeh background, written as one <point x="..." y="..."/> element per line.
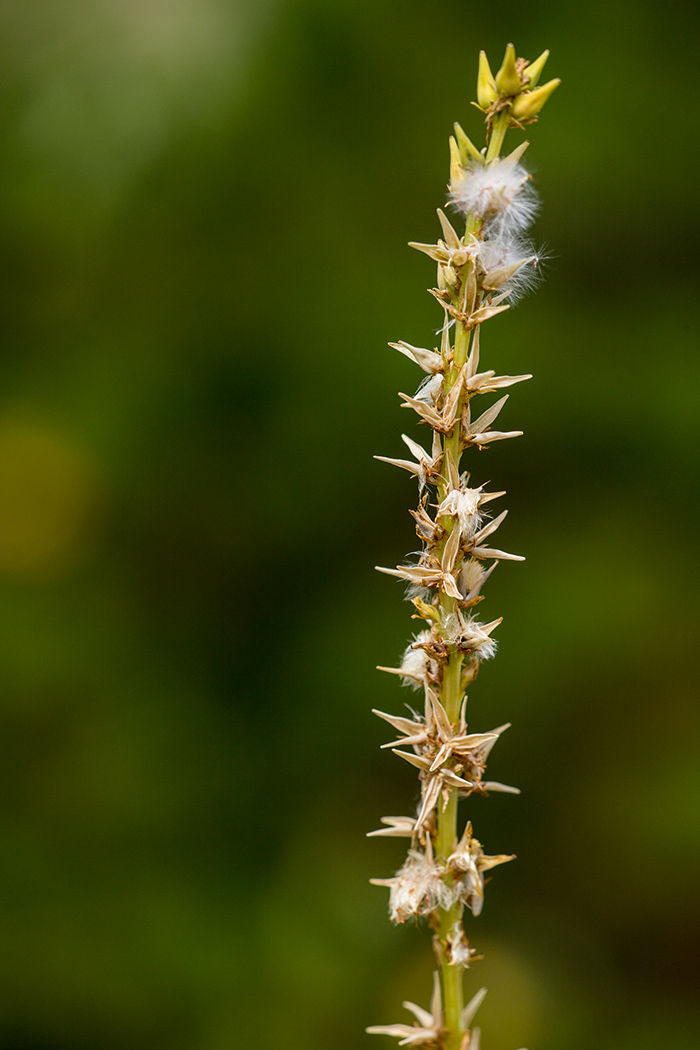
<point x="204" y="210"/>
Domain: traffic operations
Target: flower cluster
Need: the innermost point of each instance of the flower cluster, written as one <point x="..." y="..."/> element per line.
<point x="480" y="274"/>
<point x="428" y="1026"/>
<point x="446" y="755"/>
<point x="423" y="885"/>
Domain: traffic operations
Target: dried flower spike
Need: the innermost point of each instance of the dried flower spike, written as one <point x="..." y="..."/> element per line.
<point x="480" y="273"/>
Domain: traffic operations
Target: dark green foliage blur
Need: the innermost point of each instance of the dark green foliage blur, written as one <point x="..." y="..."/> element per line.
<point x="204" y="210"/>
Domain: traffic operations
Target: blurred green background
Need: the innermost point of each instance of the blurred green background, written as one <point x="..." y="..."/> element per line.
<point x="204" y="210"/>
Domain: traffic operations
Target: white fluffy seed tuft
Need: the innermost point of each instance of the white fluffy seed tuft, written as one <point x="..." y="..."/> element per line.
<point x="509" y="264"/>
<point x="471" y="577"/>
<point x="461" y="952"/>
<point x="463" y="504"/>
<point x="415" y="663"/>
<point x="417" y="889"/>
<point x="500" y="193"/>
<point x="470" y="636"/>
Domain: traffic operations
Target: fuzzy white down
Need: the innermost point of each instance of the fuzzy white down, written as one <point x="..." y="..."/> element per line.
<point x="500" y="192"/>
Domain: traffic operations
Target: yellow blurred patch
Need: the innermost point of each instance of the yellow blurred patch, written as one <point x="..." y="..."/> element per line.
<point x="47" y="496"/>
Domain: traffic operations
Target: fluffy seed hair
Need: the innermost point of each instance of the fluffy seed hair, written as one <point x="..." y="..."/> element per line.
<point x="503" y="251"/>
<point x="501" y="193"/>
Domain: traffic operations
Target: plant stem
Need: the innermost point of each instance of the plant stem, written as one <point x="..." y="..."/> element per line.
<point x="446" y="840"/>
<point x="498" y="133"/>
<point x="463" y="334"/>
<point x="446" y="864"/>
<point x="451" y="692"/>
<point x="452" y="983"/>
<point x="451" y="976"/>
<point x="452" y="442"/>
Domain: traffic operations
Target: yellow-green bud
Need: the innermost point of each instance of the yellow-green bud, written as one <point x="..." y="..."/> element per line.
<point x="508" y="79"/>
<point x="533" y="72"/>
<point x="517" y="153"/>
<point x="528" y="105"/>
<point x="467" y="150"/>
<point x="486" y="91"/>
<point x="427" y="612"/>
<point x="456" y="169"/>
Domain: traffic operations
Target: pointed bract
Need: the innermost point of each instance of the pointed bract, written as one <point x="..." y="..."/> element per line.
<point x="486" y="90"/>
<point x="428" y="1027"/>
<point x="485" y="313"/>
<point x="507" y="78"/>
<point x="527" y="106"/>
<point x="533" y="71"/>
<point x="397" y="827"/>
<point x="468" y="152"/>
<point x="472" y="1006"/>
<point x="428" y="360"/>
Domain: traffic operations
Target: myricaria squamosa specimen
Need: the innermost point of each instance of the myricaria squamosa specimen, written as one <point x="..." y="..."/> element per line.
<point x="481" y="272"/>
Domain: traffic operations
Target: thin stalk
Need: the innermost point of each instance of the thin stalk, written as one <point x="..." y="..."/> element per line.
<point x="440" y="865"/>
<point x="452" y="693"/>
<point x="452" y="442"/>
<point x="451" y="976"/>
<point x="446" y="839"/>
<point x="498" y="133"/>
<point x="452" y="984"/>
<point x="463" y="334"/>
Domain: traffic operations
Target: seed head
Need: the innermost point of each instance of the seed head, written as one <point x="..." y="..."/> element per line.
<point x="470" y="636"/>
<point x="499" y="193"/>
<point x="509" y="264"/>
<point x="417" y="888"/>
<point x="468" y="863"/>
<point x="463" y="504"/>
<point x="461" y="952"/>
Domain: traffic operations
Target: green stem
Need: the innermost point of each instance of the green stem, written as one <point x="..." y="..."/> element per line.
<point x="451" y="692"/>
<point x="446" y="840"/>
<point x="498" y="133"/>
<point x="452" y="986"/>
<point x="452" y="442"/>
<point x="462" y="334"/>
<point x="451" y="976"/>
<point x="452" y="684"/>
